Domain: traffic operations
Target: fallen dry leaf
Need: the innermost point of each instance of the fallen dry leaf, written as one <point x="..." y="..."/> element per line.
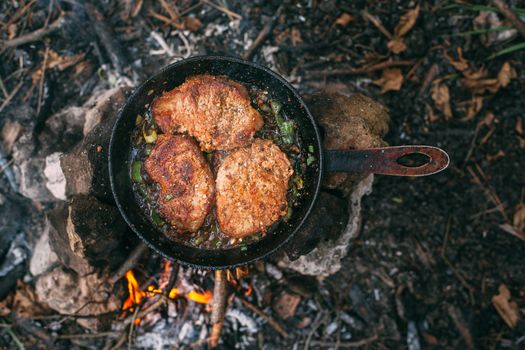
<point x="407" y="21"/>
<point x="506" y="74"/>
<point x="519" y="126"/>
<point x="472" y="107"/>
<point x="54" y="60"/>
<point x="491" y="20"/>
<point x="192" y="23"/>
<point x="295" y="36"/>
<point x="498" y="155"/>
<point x="461" y="64"/>
<point x="513" y="231"/>
<point x="344" y="19"/>
<point x="12" y="29"/>
<point x="396" y="45"/>
<point x="518" y="219"/>
<point x="508" y="310"/>
<point x="405" y="24"/>
<point x="391" y="80"/>
<point x="474" y="82"/>
<point x="10" y="133"/>
<point x="441" y="97"/>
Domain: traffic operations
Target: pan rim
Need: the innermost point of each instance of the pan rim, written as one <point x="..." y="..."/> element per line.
<point x="249" y="258"/>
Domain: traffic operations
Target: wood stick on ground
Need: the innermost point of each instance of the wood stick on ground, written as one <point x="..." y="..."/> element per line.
<point x="11" y="95"/>
<point x="271" y="321"/>
<point x="510" y="15"/>
<point x="106" y="37"/>
<point x="41" y="85"/>
<point x="231" y="15"/>
<point x="89" y="335"/>
<point x="218" y="307"/>
<point x="34" y="36"/>
<point x="343" y="344"/>
<point x="130" y="262"/>
<point x="263" y="35"/>
<point x="358" y="70"/>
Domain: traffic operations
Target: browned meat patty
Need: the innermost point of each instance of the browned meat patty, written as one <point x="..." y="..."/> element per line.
<point x="251" y="188"/>
<point x="213" y="109"/>
<point x="187" y="189"/>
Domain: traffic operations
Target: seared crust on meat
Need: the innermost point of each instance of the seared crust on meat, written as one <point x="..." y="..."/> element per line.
<point x="213" y="109"/>
<point x="187" y="189"/>
<point x="252" y="183"/>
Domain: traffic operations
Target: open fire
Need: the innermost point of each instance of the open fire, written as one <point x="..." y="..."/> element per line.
<point x="137" y="296"/>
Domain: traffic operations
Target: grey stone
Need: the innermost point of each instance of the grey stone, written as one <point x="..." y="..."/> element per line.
<point x="44" y="258"/>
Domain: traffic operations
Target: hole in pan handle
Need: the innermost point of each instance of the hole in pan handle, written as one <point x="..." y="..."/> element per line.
<point x="385" y="160"/>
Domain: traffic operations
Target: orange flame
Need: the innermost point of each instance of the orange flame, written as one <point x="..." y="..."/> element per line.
<point x="201" y="298"/>
<point x="136" y="295"/>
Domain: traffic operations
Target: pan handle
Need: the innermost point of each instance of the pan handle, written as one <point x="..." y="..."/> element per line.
<point x="385" y="160"/>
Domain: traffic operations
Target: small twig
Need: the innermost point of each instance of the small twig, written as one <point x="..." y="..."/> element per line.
<point x="218" y="307"/>
<point x="129" y="263"/>
<point x="132" y="326"/>
<point x="377" y="23"/>
<point x="2" y="169"/>
<point x="17" y="341"/>
<point x="88" y="335"/>
<point x="263" y="35"/>
<point x="451" y="267"/>
<point x="510" y="15"/>
<point x="358" y="70"/>
<point x="472" y="143"/>
<point x="271" y="321"/>
<point x="11" y="95"/>
<point x="152" y="308"/>
<point x="348" y="344"/>
<point x="231" y="15"/>
<point x="318" y="321"/>
<point x="2" y="87"/>
<point x="42" y="78"/>
<point x="34" y="36"/>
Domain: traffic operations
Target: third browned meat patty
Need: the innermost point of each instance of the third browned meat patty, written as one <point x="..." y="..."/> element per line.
<point x="187" y="189"/>
<point x="252" y="183"/>
<point x="214" y="109"/>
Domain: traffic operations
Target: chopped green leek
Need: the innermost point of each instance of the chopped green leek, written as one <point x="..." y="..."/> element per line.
<point x="168" y="197"/>
<point x="310" y="159"/>
<point x="136" y="168"/>
<point x="150" y="136"/>
<point x="276" y="107"/>
<point x="157" y="220"/>
<point x="311" y="148"/>
<point x="138" y="120"/>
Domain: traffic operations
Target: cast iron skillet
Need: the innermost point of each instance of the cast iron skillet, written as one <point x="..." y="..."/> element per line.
<point x="382" y="160"/>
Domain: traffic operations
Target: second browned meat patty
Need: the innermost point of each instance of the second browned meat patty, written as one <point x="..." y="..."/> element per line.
<point x="187" y="188"/>
<point x="215" y="110"/>
<point x="252" y="183"/>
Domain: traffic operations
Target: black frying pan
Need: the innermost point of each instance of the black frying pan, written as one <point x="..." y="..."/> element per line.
<point x="380" y="160"/>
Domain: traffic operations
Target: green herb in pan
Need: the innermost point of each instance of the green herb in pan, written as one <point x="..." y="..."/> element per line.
<point x="310" y="159"/>
<point x="138" y="120"/>
<point x="157" y="220"/>
<point x="150" y="136"/>
<point x="136" y="168"/>
<point x="168" y="197"/>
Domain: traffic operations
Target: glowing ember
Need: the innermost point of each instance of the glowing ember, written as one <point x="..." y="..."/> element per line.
<point x="136" y="295"/>
<point x="173" y="293"/>
<point x="202" y="298"/>
<point x="137" y="321"/>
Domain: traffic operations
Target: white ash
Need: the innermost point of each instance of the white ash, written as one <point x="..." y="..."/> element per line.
<point x="273" y="271"/>
<point x="331" y="328"/>
<point x="246" y="323"/>
<point x="413" y="342"/>
<point x="44" y="258"/>
<point x="56" y="182"/>
<point x="325" y="259"/>
<point x="16" y="255"/>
